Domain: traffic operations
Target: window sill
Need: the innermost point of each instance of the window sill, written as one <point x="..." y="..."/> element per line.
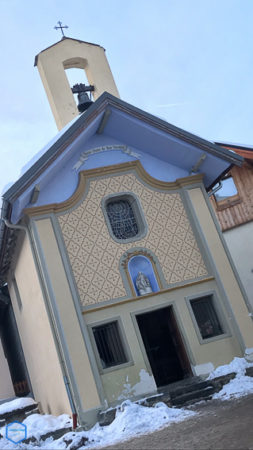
<point x="227" y="203"/>
<point x="214" y="338"/>
<point x="113" y="368"/>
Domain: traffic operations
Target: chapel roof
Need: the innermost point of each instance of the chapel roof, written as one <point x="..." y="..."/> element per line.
<point x="126" y="123"/>
<point x="74" y="128"/>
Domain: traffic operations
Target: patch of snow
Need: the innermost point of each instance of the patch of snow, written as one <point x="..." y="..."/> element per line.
<point x="131" y="420"/>
<point x="237" y="365"/>
<point x="238" y="387"/>
<point x="18" y="403"/>
<point x="248" y="351"/>
<point x="41" y="152"/>
<point x="38" y="424"/>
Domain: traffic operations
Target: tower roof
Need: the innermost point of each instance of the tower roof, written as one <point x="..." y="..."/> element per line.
<point x="63" y="39"/>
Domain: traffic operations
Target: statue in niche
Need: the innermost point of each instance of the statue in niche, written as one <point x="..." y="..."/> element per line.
<point x="143" y="284"/>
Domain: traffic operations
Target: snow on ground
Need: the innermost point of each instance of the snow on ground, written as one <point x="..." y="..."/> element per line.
<point x="18" y="403"/>
<point x="238" y="387"/>
<point x="238" y="365"/>
<point x="131" y="419"/>
<point x="38" y="424"/>
<point x="241" y="385"/>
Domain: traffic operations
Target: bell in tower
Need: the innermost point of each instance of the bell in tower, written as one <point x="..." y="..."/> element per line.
<point x="72" y="53"/>
<point x="83" y="99"/>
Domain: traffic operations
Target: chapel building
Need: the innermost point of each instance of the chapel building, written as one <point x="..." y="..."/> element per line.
<point x="119" y="276"/>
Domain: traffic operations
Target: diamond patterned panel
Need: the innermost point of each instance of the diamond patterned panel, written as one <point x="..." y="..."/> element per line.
<point x="95" y="256"/>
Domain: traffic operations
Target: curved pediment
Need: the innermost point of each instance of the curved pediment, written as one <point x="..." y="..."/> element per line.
<point x="117" y="169"/>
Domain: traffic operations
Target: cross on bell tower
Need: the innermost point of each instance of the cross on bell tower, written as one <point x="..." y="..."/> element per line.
<point x="61" y="27"/>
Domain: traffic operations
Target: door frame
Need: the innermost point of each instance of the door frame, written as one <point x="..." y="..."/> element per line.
<point x="180" y="328"/>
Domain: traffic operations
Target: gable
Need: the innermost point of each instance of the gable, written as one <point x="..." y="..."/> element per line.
<point x="166" y="153"/>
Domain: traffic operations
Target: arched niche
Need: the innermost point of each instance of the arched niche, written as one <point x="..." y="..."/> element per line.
<point x="141" y="263"/>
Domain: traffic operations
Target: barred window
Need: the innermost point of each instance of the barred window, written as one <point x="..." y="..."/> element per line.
<point x="109" y="344"/>
<point x="206" y="317"/>
<point x="122" y="218"/>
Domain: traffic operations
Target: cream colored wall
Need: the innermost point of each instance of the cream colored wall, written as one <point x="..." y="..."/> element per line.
<point x="69" y="53"/>
<point x="240" y="243"/>
<point x="67" y="314"/>
<point x="126" y="382"/>
<point x="6" y="386"/>
<point x="36" y="336"/>
<point x="223" y="266"/>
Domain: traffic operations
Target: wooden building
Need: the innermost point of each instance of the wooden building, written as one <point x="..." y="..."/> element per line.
<point x="233" y="205"/>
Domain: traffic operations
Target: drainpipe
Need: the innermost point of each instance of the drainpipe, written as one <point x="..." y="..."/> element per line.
<point x="14" y="227"/>
<point x="65" y="377"/>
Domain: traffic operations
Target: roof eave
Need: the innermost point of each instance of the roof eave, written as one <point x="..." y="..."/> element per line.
<point x="177" y="132"/>
<point x="101" y="103"/>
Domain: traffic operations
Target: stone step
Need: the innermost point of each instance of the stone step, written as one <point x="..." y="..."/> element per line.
<point x="56" y="434"/>
<point x="249" y="372"/>
<point x="185" y="389"/>
<point x="193" y="396"/>
<point x="18" y="414"/>
<point x="105" y="418"/>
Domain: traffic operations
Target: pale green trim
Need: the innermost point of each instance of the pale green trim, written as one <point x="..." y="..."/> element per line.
<point x="228" y="254"/>
<point x="56" y="319"/>
<point x="224" y="324"/>
<point x="124" y="342"/>
<point x="223" y="294"/>
<point x="138" y="213"/>
<point x="154" y="308"/>
<point x="77" y="303"/>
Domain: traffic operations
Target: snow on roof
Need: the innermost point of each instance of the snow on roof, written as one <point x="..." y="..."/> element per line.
<point x="41" y="152"/>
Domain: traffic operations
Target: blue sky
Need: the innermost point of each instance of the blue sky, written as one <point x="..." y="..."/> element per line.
<point x="187" y="61"/>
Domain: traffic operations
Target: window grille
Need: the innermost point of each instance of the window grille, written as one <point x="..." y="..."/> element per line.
<point x="109" y="345"/>
<point x="206" y="317"/>
<point x="122" y="219"/>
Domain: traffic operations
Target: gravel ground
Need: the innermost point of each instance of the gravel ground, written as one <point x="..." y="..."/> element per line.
<point x="218" y="425"/>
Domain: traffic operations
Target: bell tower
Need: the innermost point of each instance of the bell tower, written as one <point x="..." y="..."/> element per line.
<point x="66" y="54"/>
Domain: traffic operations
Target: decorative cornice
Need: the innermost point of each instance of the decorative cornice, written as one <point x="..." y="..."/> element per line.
<point x="112" y="170"/>
<point x="143" y="297"/>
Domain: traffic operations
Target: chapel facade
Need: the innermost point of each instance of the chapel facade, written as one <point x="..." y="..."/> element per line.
<point x="124" y="281"/>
